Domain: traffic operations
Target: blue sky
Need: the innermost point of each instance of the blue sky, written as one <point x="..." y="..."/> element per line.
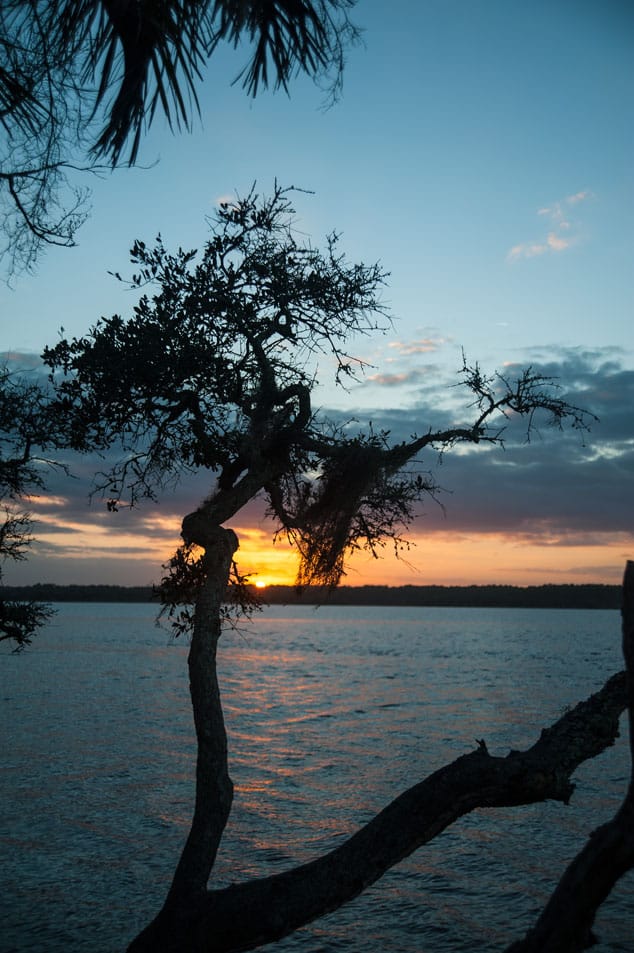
<point x="483" y="153"/>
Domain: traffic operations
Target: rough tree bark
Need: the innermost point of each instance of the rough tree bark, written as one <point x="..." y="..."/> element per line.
<point x="199" y="920"/>
<point x="565" y="925"/>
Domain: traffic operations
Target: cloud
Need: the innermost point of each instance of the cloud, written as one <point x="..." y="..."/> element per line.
<point x="408" y="364"/>
<point x="559" y="489"/>
<point x="422" y="346"/>
<point x="563" y="489"/>
<point x="560" y="221"/>
<point x="20" y="361"/>
<point x="557" y="244"/>
<point x="557" y="211"/>
<point x="528" y="250"/>
<point x="579" y="197"/>
<point x="396" y="380"/>
<point x="552" y="243"/>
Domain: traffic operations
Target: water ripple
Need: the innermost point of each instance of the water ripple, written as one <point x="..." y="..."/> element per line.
<point x="330" y="714"/>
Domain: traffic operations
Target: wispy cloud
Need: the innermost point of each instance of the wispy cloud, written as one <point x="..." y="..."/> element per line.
<point x="422" y="346"/>
<point x="563" y="232"/>
<point x="396" y="380"/>
<point x="579" y="197"/>
<point x="552" y="242"/>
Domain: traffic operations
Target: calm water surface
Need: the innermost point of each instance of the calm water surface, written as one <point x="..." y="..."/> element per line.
<point x="330" y="714"/>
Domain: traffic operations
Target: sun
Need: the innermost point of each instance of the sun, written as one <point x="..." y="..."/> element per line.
<point x="260" y="584"/>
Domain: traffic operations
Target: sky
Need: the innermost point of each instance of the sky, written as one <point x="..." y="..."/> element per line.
<point x="483" y="154"/>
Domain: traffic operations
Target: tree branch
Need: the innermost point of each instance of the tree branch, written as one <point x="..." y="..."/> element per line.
<point x="280" y="904"/>
<point x="565" y="925"/>
<point x="50" y="235"/>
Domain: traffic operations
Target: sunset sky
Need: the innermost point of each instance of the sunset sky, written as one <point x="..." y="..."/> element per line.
<point x="483" y="153"/>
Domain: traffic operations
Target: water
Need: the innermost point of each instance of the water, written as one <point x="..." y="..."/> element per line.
<point x="330" y="714"/>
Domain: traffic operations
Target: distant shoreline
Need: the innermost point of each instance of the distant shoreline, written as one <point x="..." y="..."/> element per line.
<point x="555" y="596"/>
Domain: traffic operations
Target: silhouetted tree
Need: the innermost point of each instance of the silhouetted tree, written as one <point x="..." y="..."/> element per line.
<point x="214" y="371"/>
<point x="24" y="425"/>
<point x="81" y="79"/>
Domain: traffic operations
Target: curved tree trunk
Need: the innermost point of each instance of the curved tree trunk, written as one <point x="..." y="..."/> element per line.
<point x="214" y="789"/>
<point x="251" y="914"/>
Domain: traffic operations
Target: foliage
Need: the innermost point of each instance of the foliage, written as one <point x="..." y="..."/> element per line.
<point x="215" y="370"/>
<point x="183" y="580"/>
<point x="216" y="367"/>
<point x="24" y="424"/>
<point x="81" y="79"/>
<point x="19" y="621"/>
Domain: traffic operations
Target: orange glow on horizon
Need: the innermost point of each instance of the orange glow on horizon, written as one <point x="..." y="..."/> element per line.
<point x="435" y="558"/>
<point x="269" y="563"/>
<point x="446" y="559"/>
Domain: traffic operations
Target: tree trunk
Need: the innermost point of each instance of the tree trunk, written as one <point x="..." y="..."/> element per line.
<point x="214" y="789"/>
<point x="215" y="922"/>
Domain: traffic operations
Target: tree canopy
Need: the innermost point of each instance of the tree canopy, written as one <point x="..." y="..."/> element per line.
<point x="81" y="81"/>
<point x="215" y="370"/>
<point x="26" y="430"/>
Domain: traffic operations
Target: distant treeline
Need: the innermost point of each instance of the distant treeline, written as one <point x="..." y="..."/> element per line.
<point x="528" y="597"/>
<point x="49" y="592"/>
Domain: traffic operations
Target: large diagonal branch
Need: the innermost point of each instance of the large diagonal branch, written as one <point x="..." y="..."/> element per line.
<point x="565" y="925"/>
<point x="280" y="904"/>
<point x="531" y="392"/>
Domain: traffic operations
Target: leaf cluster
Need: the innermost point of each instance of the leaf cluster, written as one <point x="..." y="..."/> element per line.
<point x="81" y="80"/>
<point x="359" y="497"/>
<point x="44" y="127"/>
<point x="180" y="587"/>
<point x="26" y="426"/>
<point x="215" y="366"/>
<point x="19" y="621"/>
<point x="215" y="371"/>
